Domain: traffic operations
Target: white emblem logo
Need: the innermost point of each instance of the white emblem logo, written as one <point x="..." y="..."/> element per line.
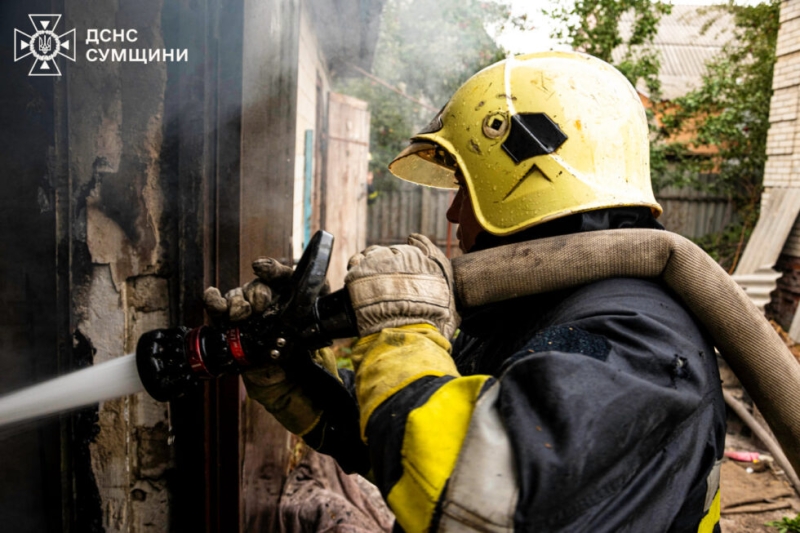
<point x="44" y="45"/>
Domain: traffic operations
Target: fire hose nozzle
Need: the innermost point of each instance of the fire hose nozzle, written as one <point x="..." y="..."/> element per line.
<point x="162" y="363"/>
<point x="172" y="361"/>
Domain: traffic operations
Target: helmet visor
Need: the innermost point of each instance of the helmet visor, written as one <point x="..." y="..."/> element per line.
<point x="426" y="163"/>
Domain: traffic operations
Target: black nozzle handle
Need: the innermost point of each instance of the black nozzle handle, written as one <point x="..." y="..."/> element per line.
<point x="335" y="316"/>
<point x="171" y="361"/>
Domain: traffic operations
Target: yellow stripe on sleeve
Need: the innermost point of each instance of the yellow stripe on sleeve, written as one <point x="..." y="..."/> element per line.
<point x="433" y="437"/>
<point x="711" y="518"/>
<point x="386" y="362"/>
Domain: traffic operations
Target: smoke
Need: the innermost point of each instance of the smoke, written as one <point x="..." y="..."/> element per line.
<point x="430" y="47"/>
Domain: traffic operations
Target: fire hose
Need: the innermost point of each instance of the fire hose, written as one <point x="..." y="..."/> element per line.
<point x="170" y="361"/>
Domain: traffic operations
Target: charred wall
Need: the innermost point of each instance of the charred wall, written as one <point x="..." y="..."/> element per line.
<point x="128" y="188"/>
<point x="30" y="456"/>
<point x="179" y="174"/>
<point x="120" y="222"/>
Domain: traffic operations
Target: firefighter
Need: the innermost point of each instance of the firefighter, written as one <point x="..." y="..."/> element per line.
<point x="597" y="408"/>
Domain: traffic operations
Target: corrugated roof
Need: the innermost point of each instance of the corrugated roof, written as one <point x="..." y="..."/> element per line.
<point x="684" y="24"/>
<point x="759" y="285"/>
<point x="772" y="229"/>
<point x="683" y="48"/>
<point x="755" y="271"/>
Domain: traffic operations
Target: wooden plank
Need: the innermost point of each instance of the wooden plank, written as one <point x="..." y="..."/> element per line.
<point x="693" y="213"/>
<point x="427" y="221"/>
<point x="772" y="229"/>
<point x="221" y="251"/>
<point x="269" y="109"/>
<point x="410" y="209"/>
<point x="346" y="181"/>
<point x="207" y="155"/>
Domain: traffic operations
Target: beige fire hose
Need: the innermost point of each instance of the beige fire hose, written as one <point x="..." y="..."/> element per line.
<point x="752" y="348"/>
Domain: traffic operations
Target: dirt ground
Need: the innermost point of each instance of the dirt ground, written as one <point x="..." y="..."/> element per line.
<point x="752" y="494"/>
<point x="746" y="498"/>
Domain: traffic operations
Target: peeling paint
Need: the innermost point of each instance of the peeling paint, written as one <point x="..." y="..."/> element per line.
<point x="120" y="289"/>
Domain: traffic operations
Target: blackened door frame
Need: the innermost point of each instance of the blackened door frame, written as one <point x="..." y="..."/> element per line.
<point x="206" y="104"/>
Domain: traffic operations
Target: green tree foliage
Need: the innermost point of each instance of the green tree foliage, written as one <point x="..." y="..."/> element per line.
<point x="729" y="112"/>
<point x="426" y="49"/>
<point x="593" y="26"/>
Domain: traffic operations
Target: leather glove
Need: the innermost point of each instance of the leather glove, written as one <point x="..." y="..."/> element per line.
<point x="269" y="385"/>
<point x="256" y="296"/>
<point x="284" y="397"/>
<point x="402" y="285"/>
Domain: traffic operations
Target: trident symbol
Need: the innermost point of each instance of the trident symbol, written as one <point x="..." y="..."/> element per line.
<point x="45" y="44"/>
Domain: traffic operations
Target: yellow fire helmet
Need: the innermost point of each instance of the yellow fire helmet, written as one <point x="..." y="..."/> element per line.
<point x="538" y="137"/>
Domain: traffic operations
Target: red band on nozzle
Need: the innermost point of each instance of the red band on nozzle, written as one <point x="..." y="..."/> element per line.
<point x="235" y="346"/>
<point x="195" y="353"/>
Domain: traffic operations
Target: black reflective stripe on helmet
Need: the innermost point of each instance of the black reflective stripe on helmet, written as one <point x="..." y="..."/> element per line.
<point x="532" y="134"/>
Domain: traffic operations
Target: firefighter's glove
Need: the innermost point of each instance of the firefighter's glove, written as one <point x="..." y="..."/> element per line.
<point x="284" y="397"/>
<point x="255" y="297"/>
<point x="402" y="285"/>
<point x="269" y="385"/>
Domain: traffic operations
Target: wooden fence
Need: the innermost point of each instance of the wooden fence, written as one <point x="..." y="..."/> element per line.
<point x="693" y="213"/>
<point x="396" y="214"/>
<point x="411" y="209"/>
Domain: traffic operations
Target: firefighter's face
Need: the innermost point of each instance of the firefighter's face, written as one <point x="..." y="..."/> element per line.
<point x="461" y="213"/>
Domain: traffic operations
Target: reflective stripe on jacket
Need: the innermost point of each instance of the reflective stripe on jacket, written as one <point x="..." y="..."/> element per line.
<point x="598" y="409"/>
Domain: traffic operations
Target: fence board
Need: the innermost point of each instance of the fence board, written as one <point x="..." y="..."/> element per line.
<point x="398" y="213"/>
<point x="346" y="176"/>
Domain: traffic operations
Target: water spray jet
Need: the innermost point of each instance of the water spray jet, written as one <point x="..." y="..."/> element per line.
<point x="170" y="362"/>
<point x="98" y="383"/>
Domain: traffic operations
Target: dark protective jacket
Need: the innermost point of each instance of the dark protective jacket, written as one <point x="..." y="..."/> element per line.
<point x="596" y="409"/>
